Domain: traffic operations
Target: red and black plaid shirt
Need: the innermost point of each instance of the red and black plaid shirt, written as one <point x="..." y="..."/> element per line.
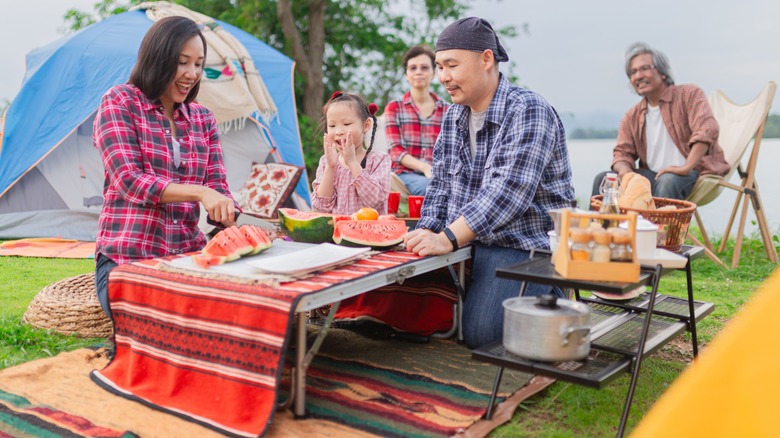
<point x="133" y="137"/>
<point x="408" y="132"/>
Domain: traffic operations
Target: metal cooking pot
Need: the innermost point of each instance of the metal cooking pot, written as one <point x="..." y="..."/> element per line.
<point x="546" y="328"/>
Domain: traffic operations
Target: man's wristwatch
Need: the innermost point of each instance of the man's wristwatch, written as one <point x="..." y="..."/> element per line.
<point x="451" y="236"/>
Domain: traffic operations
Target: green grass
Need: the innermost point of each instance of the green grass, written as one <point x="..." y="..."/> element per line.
<point x="562" y="410"/>
<point x="20" y="279"/>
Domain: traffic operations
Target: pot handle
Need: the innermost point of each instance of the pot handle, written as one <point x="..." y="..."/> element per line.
<point x="568" y="331"/>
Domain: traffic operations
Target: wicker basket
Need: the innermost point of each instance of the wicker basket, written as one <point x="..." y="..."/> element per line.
<point x="672" y="224"/>
<point x="70" y="307"/>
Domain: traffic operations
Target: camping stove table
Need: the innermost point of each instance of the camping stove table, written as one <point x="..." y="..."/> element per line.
<point x="618" y="332"/>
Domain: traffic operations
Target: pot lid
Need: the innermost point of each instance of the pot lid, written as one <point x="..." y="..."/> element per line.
<point x="546" y="305"/>
<point x="642" y="224"/>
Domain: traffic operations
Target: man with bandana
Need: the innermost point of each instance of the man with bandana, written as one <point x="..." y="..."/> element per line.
<point x="499" y="165"/>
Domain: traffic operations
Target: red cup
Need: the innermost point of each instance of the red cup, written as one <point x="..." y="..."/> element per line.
<point x="393" y="199"/>
<point x="415" y="205"/>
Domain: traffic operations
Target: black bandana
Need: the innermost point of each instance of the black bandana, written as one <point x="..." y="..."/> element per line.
<point x="474" y="34"/>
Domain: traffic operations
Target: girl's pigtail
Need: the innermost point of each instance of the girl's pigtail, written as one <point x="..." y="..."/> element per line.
<point x="372" y="109"/>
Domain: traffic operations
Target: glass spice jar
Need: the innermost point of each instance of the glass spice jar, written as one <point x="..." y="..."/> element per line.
<point x="602" y="253"/>
<point x="580" y="244"/>
<point x="621" y="248"/>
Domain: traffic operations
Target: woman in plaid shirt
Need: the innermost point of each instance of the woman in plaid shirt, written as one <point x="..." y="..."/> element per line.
<point x="161" y="155"/>
<point x="412" y="122"/>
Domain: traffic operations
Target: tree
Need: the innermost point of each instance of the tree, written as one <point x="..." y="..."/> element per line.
<point x="353" y="45"/>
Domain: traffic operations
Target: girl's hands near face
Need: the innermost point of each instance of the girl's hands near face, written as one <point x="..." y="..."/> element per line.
<point x="331" y="150"/>
<point x="348" y="149"/>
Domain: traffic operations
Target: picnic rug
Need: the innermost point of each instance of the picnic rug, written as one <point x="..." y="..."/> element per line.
<point x="380" y="388"/>
<point x="48" y="247"/>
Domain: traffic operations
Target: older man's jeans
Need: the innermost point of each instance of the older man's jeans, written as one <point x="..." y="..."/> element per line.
<point x="483" y="312"/>
<point x="668" y="185"/>
<point x="103" y="267"/>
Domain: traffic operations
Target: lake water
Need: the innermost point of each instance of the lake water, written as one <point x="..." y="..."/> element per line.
<point x="589" y="157"/>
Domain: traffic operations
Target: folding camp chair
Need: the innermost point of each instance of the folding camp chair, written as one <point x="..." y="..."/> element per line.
<point x="738" y="124"/>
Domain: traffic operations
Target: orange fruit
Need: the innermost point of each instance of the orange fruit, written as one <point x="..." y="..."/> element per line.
<point x="367" y="214"/>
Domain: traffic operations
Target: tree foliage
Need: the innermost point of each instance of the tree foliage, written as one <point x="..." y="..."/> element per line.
<point x="351" y="45"/>
<point x="772" y="129"/>
<point x="363" y="40"/>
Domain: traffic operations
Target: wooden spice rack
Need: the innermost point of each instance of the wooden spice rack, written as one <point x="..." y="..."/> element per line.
<point x="596" y="271"/>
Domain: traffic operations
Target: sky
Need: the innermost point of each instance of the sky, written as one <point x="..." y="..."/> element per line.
<point x="573" y="53"/>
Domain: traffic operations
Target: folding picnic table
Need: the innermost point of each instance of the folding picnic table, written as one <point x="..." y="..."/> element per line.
<point x="211" y="348"/>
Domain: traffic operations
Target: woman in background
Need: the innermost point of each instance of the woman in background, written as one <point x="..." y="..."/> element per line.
<point x="412" y="122"/>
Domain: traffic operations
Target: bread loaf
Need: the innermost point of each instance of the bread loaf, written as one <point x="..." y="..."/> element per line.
<point x="636" y="192"/>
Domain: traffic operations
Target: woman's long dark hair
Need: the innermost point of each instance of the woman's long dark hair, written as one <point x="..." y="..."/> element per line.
<point x="158" y="56"/>
<point x="363" y="110"/>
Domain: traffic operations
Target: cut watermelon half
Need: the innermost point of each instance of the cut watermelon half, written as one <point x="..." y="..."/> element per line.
<point x="376" y="234"/>
<point x="308" y="226"/>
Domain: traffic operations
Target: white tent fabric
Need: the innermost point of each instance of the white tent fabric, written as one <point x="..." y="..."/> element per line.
<point x="237" y="91"/>
<point x="738" y="124"/>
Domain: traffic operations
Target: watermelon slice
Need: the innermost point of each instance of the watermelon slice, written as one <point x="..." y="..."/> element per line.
<point x="223" y="245"/>
<point x="308" y="226"/>
<point x="376" y="234"/>
<point x="256" y="237"/>
<point x="236" y="236"/>
<point x="232" y="243"/>
<point x="206" y="261"/>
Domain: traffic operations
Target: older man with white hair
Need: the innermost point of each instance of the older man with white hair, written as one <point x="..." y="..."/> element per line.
<point x="670" y="137"/>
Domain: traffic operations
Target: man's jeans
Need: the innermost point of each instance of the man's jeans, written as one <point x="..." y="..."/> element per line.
<point x="415" y="183"/>
<point x="668" y="185"/>
<point x="483" y="311"/>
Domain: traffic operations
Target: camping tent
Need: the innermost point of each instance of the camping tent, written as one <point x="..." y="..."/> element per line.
<point x="51" y="177"/>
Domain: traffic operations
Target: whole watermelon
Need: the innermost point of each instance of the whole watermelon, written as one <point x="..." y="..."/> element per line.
<point x="308" y="226"/>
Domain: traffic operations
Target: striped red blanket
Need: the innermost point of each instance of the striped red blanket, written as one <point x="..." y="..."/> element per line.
<point x="210" y="350"/>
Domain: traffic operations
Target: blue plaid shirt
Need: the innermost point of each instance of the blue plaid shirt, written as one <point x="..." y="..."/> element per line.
<point x="520" y="171"/>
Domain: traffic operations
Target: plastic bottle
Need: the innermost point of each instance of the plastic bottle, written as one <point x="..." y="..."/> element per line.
<point x="610" y="188"/>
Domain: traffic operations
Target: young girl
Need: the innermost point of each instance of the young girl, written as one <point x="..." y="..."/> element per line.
<point x="350" y="176"/>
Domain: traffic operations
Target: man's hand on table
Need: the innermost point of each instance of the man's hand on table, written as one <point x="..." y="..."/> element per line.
<point x="425" y="242"/>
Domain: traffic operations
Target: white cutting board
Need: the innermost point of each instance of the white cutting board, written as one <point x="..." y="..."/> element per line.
<point x="667" y="259"/>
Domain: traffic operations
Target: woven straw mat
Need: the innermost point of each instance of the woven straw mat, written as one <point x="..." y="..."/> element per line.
<point x="70" y="307"/>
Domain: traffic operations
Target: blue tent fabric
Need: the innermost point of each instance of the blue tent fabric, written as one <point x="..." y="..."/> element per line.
<point x="66" y="79"/>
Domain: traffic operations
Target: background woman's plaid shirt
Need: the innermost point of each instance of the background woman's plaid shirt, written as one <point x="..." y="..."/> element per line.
<point x="407" y="132"/>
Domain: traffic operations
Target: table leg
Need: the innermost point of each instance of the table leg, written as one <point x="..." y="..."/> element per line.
<point x="691" y="310"/>
<point x="462" y="279"/>
<point x="299" y="385"/>
<point x="496" y="384"/>
<point x="640" y="351"/>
